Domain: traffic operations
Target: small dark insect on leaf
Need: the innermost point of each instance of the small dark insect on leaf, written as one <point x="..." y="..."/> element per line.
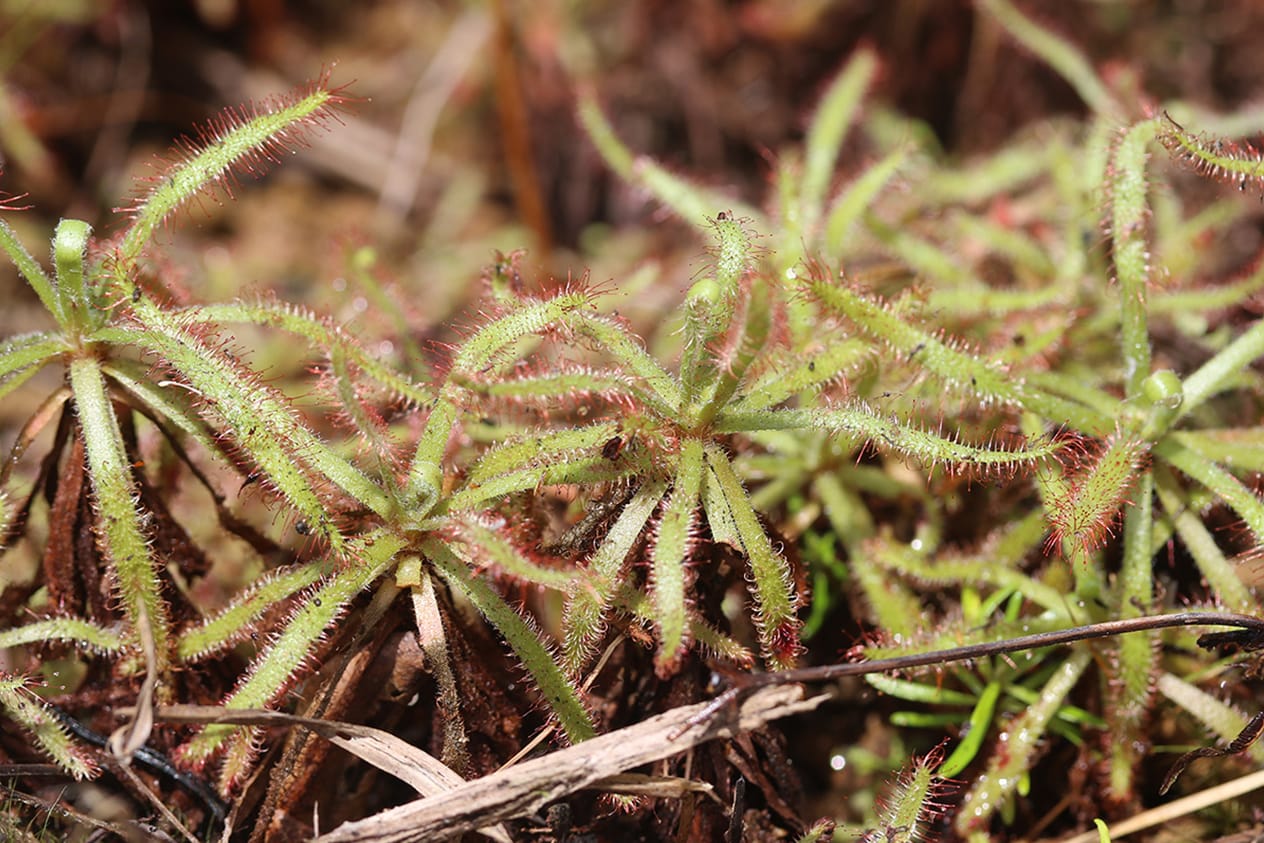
<point x="612" y="448"/>
<point x="1241" y="743"/>
<point x="302" y="528"/>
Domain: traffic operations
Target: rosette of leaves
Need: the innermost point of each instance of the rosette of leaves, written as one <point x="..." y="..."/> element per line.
<point x="994" y="299"/>
<point x="1154" y="450"/>
<point x="118" y="566"/>
<point x="671" y="443"/>
<point x="115" y="562"/>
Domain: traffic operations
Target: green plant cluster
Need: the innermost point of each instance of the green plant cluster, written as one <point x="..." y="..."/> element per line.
<point x="1055" y="288"/>
<point x="1032" y="333"/>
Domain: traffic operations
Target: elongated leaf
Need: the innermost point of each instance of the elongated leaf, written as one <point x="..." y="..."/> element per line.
<point x="28" y="711"/>
<point x="174" y="405"/>
<point x="233" y="623"/>
<point x="835" y="113"/>
<point x="778" y="384"/>
<point x="670" y="555"/>
<point x="248" y="138"/>
<point x="321" y="334"/>
<point x="1213" y="375"/>
<point x="851" y="203"/>
<point x="1058" y="53"/>
<point x="1020" y="741"/>
<point x="34" y="274"/>
<point x="950" y="361"/>
<point x="77" y="630"/>
<point x="1130" y="248"/>
<point x="122" y="539"/>
<point x="775" y="600"/>
<point x="260" y="421"/>
<point x="859" y="424"/>
<point x="1224" y="485"/>
<point x="691" y="202"/>
<point x="486" y="546"/>
<point x="29" y="351"/>
<point x="621" y="345"/>
<point x="540" y="448"/>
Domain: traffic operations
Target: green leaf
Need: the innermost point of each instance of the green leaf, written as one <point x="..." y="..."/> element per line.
<point x="81" y="632"/>
<point x="34" y="274"/>
<point x="670" y="555"/>
<point x="485" y="546"/>
<point x="835" y="112"/>
<point x="540" y="448"/>
<point x="320" y="333"/>
<point x="235" y="622"/>
<point x="974" y="732"/>
<point x="853" y="201"/>
<point x="171" y="405"/>
<point x="1223" y="484"/>
<point x="260" y="421"/>
<point x="122" y="539"/>
<point x="1131" y="249"/>
<point x="22" y="355"/>
<point x="1058" y="53"/>
<point x="830" y="363"/>
<point x="949" y="360"/>
<point x="626" y="350"/>
<point x="860" y="423"/>
<point x="1198" y="540"/>
<point x="249" y="138"/>
<point x="1020" y="741"/>
<point x="1212" y="376"/>
<point x="775" y="600"/>
<point x="29" y="712"/>
<point x="691" y="202"/>
<point x="70" y="243"/>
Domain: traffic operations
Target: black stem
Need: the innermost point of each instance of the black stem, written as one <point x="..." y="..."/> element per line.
<point x="153" y="760"/>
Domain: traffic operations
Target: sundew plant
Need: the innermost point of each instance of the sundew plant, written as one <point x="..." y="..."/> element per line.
<point x="945" y="404"/>
<point x="1057" y="288"/>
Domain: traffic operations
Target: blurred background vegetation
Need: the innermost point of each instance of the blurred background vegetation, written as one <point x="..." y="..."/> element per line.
<point x="464" y="139"/>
